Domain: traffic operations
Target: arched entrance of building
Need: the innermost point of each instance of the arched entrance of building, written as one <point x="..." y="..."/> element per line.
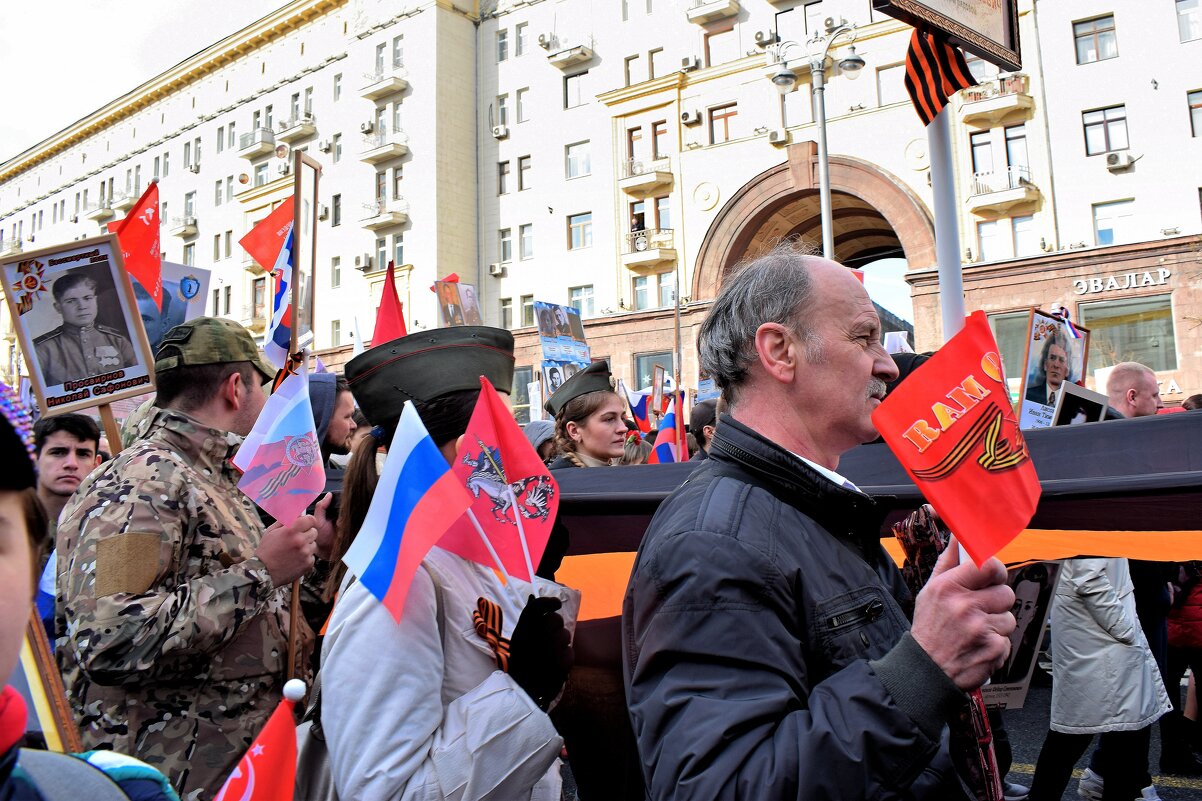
<point x="875" y="216"/>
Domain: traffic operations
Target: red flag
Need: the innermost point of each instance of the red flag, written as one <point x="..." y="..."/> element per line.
<point x="453" y="278"/>
<point x="507" y="480"/>
<point x="267" y="772"/>
<point x="952" y="427"/>
<point x="138" y="236"/>
<point x="390" y="316"/>
<point x="265" y="241"/>
<point x="934" y="72"/>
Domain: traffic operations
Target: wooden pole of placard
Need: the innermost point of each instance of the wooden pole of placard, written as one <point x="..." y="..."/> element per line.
<point x="47" y="690"/>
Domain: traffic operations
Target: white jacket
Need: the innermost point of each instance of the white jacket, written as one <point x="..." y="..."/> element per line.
<point x="414" y="715"/>
<point x="1104" y="677"/>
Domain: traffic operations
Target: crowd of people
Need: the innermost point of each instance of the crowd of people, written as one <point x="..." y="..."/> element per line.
<point x="767" y="647"/>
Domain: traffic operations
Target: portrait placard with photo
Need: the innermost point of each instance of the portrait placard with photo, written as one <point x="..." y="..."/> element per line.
<point x="1056" y="355"/>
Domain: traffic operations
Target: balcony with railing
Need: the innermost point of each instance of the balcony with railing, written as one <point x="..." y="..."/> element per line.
<point x="650" y="247"/>
<point x="123" y="201"/>
<point x="987" y="104"/>
<point x="705" y="11"/>
<point x="11" y="246"/>
<point x="99" y="211"/>
<point x="258" y="142"/>
<point x="567" y="53"/>
<point x="254" y="317"/>
<point x="183" y="226"/>
<point x="299" y="128"/>
<point x="640" y="176"/>
<point x="385" y="213"/>
<point x="385" y="82"/>
<point x="999" y="191"/>
<point x="384" y="145"/>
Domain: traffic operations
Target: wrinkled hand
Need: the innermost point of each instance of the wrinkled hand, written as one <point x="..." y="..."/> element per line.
<point x="288" y="550"/>
<point x="540" y="650"/>
<point x="325" y="526"/>
<point x="963" y="619"/>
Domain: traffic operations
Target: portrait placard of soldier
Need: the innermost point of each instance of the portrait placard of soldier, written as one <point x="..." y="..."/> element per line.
<point x="1056" y="354"/>
<point x="79" y="325"/>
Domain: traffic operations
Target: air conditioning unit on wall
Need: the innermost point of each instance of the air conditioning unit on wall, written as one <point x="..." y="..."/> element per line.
<point x="496" y="270"/>
<point x="500" y="132"/>
<point x="690" y="118"/>
<point x="1116" y="162"/>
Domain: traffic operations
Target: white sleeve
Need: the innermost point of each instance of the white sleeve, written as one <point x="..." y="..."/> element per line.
<point x="388" y="736"/>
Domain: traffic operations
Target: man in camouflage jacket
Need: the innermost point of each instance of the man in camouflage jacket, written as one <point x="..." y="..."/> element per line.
<point x="173" y="601"/>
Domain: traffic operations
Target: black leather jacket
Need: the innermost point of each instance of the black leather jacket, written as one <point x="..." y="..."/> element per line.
<point x="766" y="654"/>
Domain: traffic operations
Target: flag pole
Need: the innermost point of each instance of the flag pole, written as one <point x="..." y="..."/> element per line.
<point x="947" y="226"/>
<point x="293" y="342"/>
<point x="517" y="516"/>
<point x="471" y="516"/>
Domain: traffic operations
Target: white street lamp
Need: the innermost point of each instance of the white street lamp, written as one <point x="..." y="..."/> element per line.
<point x="818" y="51"/>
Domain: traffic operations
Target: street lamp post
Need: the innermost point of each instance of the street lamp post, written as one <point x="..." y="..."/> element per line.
<point x="818" y="51"/>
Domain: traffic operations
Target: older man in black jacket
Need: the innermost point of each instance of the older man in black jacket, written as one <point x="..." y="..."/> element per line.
<point x="767" y="654"/>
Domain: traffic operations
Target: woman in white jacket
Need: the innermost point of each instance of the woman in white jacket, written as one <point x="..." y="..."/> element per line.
<point x="422" y="711"/>
<point x="1104" y="681"/>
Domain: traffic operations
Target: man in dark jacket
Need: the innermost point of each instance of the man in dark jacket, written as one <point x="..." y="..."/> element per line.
<point x="767" y="655"/>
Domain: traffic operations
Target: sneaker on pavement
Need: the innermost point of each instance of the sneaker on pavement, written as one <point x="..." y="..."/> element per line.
<point x="1149" y="794"/>
<point x="1090" y="786"/>
<point x="1012" y="791"/>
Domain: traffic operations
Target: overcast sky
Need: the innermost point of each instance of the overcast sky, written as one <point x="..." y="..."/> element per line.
<point x="63" y="59"/>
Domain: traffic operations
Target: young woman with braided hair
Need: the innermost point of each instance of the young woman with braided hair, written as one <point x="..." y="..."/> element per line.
<point x="589" y="431"/>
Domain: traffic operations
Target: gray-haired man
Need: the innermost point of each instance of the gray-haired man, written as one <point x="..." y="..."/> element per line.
<point x="767" y="651"/>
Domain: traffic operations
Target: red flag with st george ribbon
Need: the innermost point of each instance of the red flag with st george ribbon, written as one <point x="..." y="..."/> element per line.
<point x="390" y="316"/>
<point x="508" y="483"/>
<point x="953" y="428"/>
<point x="267" y="772"/>
<point x="138" y="236"/>
<point x="934" y="72"/>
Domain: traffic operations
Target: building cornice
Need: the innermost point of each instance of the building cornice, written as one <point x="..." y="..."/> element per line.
<point x="251" y="38"/>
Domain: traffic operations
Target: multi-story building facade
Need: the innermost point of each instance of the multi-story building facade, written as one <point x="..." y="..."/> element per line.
<point x="602" y="153"/>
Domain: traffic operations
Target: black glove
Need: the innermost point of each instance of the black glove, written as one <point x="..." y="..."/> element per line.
<point x="540" y="650"/>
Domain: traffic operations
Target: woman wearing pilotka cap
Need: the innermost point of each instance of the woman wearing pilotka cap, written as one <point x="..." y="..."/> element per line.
<point x="423" y="709"/>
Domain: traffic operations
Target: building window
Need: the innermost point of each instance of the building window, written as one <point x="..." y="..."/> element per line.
<point x="634" y="138"/>
<point x="573" y="90"/>
<point x="308" y="100"/>
<point x="522" y="105"/>
<point x="398" y="51"/>
<point x="656" y="64"/>
<point x="1010" y="332"/>
<point x="580" y="298"/>
<point x="1026" y="243"/>
<point x="216" y="247"/>
<point x="520" y="38"/>
<point x="216" y="302"/>
<point x="1016" y="146"/>
<point x="502" y="45"/>
<point x="505" y="237"/>
<point x="260" y="174"/>
<point x="1105" y="130"/>
<point x="526" y="240"/>
<point x="228" y="299"/>
<point x="259" y="299"/>
<point x="231" y="136"/>
<point x="335" y="333"/>
<point x="1195" y="112"/>
<point x="1114" y="223"/>
<point x="337" y="87"/>
<point x="644" y="367"/>
<point x="1131" y="330"/>
<point x="190" y="204"/>
<point x="294" y="106"/>
<point x="381" y="186"/>
<point x="229" y="244"/>
<point x="506" y="312"/>
<point x="631" y="68"/>
<point x="988" y="240"/>
<point x="580" y="231"/>
<point x="1095" y="40"/>
<point x="890" y="84"/>
<point x="721" y="46"/>
<point x="220" y="138"/>
<point x="336" y="147"/>
<point x="503" y="178"/>
<point x="190" y="255"/>
<point x="523" y="172"/>
<point x="398" y="175"/>
<point x="380" y="51"/>
<point x="166" y="164"/>
<point x="981" y="69"/>
<point x="720" y="122"/>
<point x="187" y="154"/>
<point x="659" y="139"/>
<point x="981" y="144"/>
<point x="336" y="210"/>
<point x="217" y="193"/>
<point x="663" y="212"/>
<point x="527" y="310"/>
<point x="654" y="291"/>
<point x="1189" y="19"/>
<point x="579" y="162"/>
<point x="335" y="272"/>
<point x="520" y="403"/>
<point x="381" y="253"/>
<point x="398" y="249"/>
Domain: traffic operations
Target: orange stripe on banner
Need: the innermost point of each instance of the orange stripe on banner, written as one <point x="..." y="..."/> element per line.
<point x="1041" y="545"/>
<point x="601" y="579"/>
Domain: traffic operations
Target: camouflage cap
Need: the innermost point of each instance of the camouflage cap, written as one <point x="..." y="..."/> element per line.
<point x="427" y="365"/>
<point x="210" y="340"/>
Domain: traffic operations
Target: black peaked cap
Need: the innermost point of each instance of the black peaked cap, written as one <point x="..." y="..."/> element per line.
<point x="594" y="378"/>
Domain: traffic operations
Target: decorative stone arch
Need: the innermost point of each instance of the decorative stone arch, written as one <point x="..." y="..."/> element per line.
<point x="876" y="211"/>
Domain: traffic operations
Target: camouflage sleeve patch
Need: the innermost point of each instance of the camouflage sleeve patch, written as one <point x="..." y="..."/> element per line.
<point x="127" y="563"/>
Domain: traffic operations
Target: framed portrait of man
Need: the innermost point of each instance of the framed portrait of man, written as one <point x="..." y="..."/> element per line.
<point x="1056" y="355"/>
<point x="450" y="307"/>
<point x="78" y="325"/>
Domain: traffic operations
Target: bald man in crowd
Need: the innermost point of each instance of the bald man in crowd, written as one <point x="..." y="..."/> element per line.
<point x="1133" y="390"/>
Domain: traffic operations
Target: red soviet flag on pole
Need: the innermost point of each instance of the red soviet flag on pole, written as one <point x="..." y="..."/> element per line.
<point x="390" y="316"/>
<point x="267" y="772"/>
<point x="138" y="236"/>
<point x="952" y="426"/>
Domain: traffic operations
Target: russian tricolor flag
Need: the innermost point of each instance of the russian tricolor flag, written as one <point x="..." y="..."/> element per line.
<point x="416" y="501"/>
<point x="671" y="432"/>
<point x="270" y="243"/>
<point x="639" y="404"/>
